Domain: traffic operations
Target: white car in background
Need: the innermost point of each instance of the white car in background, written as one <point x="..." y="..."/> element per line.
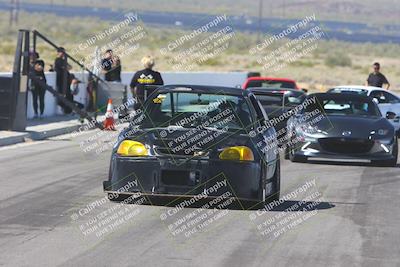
<point x="388" y="102"/>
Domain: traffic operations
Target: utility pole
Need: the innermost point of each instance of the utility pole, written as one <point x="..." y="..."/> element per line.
<point x="14" y="12"/>
<point x="260" y="17"/>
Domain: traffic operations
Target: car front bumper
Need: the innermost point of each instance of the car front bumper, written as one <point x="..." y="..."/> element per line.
<point x="175" y="177"/>
<point x="345" y="148"/>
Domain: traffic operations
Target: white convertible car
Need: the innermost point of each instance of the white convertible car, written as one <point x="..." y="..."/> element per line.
<point x="388" y="102"/>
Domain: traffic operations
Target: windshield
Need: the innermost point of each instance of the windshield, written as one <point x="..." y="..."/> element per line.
<point x="344" y="107"/>
<point x="280" y="99"/>
<point x="349" y="91"/>
<point x="271" y="84"/>
<point x="271" y="100"/>
<point x="190" y="110"/>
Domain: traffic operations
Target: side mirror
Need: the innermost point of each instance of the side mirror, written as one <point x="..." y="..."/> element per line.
<point x="375" y="100"/>
<point x="390" y="115"/>
<point x="304" y="90"/>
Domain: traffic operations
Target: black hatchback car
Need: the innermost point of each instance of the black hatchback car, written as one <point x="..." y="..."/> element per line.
<point x="197" y="142"/>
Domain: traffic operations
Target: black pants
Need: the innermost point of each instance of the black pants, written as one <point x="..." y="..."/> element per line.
<point x="38" y="94"/>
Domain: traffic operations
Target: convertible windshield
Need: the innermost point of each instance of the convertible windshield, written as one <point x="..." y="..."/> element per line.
<point x="190" y="109"/>
<point x="344" y="106"/>
<point x="355" y="91"/>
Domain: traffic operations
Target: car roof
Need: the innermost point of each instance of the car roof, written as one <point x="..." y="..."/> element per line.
<point x="340" y="96"/>
<point x="203" y="89"/>
<point x="270" y="78"/>
<point x="357" y="87"/>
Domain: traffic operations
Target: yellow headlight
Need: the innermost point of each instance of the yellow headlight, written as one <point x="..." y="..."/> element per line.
<point x="132" y="149"/>
<point x="237" y="153"/>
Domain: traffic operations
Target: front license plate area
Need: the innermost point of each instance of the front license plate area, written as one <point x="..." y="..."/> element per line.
<point x="176" y="177"/>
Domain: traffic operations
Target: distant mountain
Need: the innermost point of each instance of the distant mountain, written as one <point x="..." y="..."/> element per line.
<point x="344" y="31"/>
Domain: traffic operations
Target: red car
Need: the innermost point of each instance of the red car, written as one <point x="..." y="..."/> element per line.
<point x="270" y="82"/>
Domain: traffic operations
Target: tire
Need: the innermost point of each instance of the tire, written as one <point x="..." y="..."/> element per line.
<point x="286" y="153"/>
<point x="296" y="158"/>
<point x="391" y="162"/>
<point x="276" y="183"/>
<point x="261" y="192"/>
<point x="118" y="198"/>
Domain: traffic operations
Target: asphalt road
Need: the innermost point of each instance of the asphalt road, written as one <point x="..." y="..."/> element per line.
<point x="45" y="217"/>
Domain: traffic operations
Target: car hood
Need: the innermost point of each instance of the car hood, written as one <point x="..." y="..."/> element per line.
<point x="352" y="126"/>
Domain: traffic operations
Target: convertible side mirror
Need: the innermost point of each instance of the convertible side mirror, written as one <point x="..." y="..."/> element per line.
<point x="390" y="115"/>
<point x="304" y="90"/>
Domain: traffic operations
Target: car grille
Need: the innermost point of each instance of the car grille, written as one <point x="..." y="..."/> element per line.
<point x="169" y="151"/>
<point x="346" y="145"/>
<point x="166" y="151"/>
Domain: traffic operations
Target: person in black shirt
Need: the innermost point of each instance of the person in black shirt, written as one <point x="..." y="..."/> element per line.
<point x="115" y="72"/>
<point x="376" y="78"/>
<point x="60" y="67"/>
<point x="106" y="64"/>
<point x="37" y="90"/>
<point x="111" y="66"/>
<point x="147" y="76"/>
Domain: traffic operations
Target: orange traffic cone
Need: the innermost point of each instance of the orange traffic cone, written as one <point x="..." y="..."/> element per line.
<point x="108" y="123"/>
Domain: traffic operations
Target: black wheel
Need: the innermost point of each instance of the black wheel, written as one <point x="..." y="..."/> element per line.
<point x="260" y="204"/>
<point x="115" y="197"/>
<point x="390" y="162"/>
<point x="276" y="183"/>
<point x="296" y="158"/>
<point x="286" y="152"/>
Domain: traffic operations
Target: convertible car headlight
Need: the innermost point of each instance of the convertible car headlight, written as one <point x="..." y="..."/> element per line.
<point x="132" y="149"/>
<point x="237" y="153"/>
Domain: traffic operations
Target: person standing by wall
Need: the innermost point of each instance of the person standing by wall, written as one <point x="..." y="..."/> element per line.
<point x="144" y="77"/>
<point x="111" y="67"/>
<point x="115" y="71"/>
<point x="38" y="92"/>
<point x="147" y="76"/>
<point x="106" y="64"/>
<point x="60" y="67"/>
<point x="376" y="78"/>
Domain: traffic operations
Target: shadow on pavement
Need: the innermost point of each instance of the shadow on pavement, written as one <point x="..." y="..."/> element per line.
<point x="348" y="163"/>
<point x="47" y="120"/>
<point x="290" y="206"/>
<point x="286" y="205"/>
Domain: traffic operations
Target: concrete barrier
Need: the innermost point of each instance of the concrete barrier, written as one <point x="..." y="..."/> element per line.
<point x="230" y="79"/>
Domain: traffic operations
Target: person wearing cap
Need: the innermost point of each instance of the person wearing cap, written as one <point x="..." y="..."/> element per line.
<point x="376" y="78"/>
<point x="147" y="76"/>
<point x="37" y="90"/>
<point x="60" y="67"/>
